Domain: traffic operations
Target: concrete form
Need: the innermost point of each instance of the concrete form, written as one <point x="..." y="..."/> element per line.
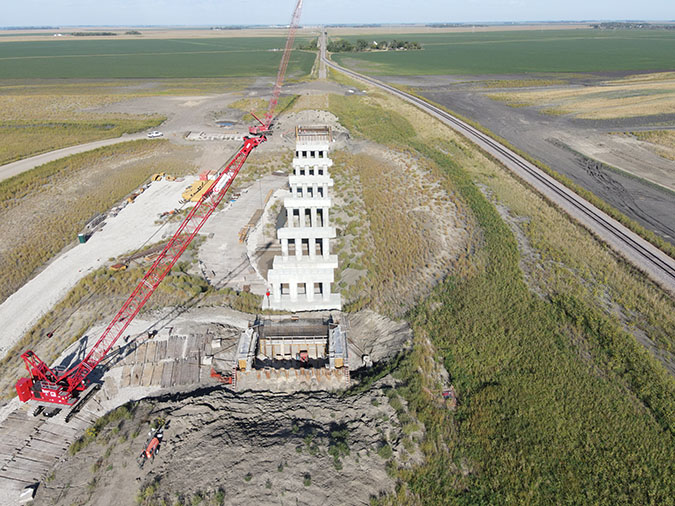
<point x="278" y="352"/>
<point x="279" y="346"/>
<point x="300" y="279"/>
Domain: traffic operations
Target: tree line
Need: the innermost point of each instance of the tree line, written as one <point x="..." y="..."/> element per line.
<point x="345" y="46"/>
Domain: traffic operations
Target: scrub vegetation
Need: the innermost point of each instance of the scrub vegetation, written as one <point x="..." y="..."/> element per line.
<point x="117" y="416"/>
<point x="557" y="400"/>
<point x="258" y="106"/>
<point x="20" y="139"/>
<point x="518" y="52"/>
<point x="663" y="141"/>
<point x="391" y="255"/>
<point x="38" y="119"/>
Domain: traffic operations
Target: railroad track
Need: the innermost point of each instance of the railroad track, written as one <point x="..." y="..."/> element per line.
<point x="645" y="256"/>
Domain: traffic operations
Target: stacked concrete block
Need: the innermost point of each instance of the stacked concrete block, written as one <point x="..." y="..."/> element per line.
<point x="301" y="277"/>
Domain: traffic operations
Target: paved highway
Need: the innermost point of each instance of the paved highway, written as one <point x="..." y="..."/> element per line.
<point x="646" y="257"/>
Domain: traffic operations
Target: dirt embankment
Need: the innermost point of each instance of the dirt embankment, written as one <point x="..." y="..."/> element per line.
<point x="250" y="448"/>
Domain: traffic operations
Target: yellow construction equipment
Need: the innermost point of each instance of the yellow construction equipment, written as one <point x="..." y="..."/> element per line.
<point x="195" y="191"/>
<point x="243" y="233"/>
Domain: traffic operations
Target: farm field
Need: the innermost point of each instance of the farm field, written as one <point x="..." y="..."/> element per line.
<point x="122" y="33"/>
<point x="154" y="58"/>
<point x="642" y="95"/>
<point x="517" y="52"/>
<point x="144" y="33"/>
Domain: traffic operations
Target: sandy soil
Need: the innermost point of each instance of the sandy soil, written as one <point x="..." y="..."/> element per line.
<point x="573" y="147"/>
<point x="223" y="259"/>
<point x="184" y="113"/>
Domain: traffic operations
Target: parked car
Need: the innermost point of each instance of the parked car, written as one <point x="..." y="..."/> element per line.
<point x="154" y="134"/>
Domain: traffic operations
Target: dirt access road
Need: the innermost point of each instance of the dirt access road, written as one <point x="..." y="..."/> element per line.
<point x="565" y="143"/>
<point x="15" y="168"/>
<point x="184" y="114"/>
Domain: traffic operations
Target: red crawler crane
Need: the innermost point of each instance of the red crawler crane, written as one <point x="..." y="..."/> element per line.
<point x="65" y="388"/>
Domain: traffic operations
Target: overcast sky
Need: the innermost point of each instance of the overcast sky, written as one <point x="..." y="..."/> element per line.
<point x="231" y="12"/>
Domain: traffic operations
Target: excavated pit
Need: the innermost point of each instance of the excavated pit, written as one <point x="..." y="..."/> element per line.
<point x="250" y="448"/>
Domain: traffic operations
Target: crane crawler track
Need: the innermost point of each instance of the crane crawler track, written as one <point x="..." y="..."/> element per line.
<point x="646" y="257"/>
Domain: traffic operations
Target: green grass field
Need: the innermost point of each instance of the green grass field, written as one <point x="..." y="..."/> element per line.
<point x="558" y="404"/>
<point x="100" y="59"/>
<point x="520" y="52"/>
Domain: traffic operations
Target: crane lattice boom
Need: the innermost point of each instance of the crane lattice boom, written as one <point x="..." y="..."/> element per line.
<point x="284" y="64"/>
<point x="55" y="386"/>
<point x="59" y="388"/>
<point x="266" y="123"/>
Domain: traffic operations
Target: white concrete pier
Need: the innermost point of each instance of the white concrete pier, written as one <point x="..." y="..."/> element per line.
<point x="301" y="277"/>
